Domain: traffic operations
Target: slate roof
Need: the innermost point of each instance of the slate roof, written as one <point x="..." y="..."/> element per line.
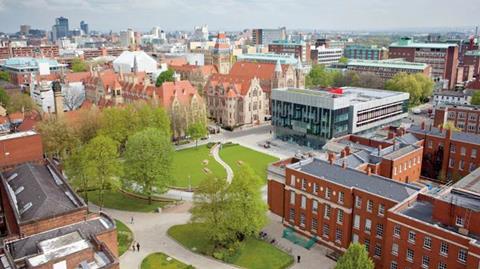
<point x="37" y="192"/>
<point x="456" y="136"/>
<point x="353" y="178"/>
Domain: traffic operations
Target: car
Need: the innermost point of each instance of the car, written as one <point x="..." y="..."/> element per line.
<point x="416" y="111"/>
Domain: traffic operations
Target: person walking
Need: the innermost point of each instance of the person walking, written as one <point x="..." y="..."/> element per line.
<point x="131" y="220"/>
<point x="133" y="246"/>
<point x="298" y="259"/>
<point x="138" y="247"/>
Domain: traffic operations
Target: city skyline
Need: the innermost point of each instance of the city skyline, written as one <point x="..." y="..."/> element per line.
<point x="105" y="15"/>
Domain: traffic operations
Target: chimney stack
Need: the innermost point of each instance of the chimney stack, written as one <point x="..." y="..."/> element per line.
<point x="423" y="125"/>
<point x="331" y="157"/>
<point x="343" y="154"/>
<point x="369" y="170"/>
<point x="391" y="135"/>
<point x="347" y="150"/>
<point x="344" y="164"/>
<point x="379" y="149"/>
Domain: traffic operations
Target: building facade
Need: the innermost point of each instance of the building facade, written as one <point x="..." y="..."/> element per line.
<point x="464" y="117"/>
<point x="361" y="52"/>
<point x="300" y="49"/>
<point x="443" y="57"/>
<point x="387" y="69"/>
<point x="326" y="56"/>
<point x="267" y="36"/>
<point x="459" y="98"/>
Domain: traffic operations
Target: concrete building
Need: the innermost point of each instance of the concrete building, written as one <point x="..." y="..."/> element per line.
<point x="311" y="117"/>
<point x="84" y="27"/>
<point x="443" y="57"/>
<point x="299" y="49"/>
<point x="23" y="70"/>
<point x="25" y="29"/>
<point x="267" y="36"/>
<point x="326" y="56"/>
<point x="200" y="33"/>
<point x="268" y="58"/>
<point x="387" y="69"/>
<point x="452" y="97"/>
<point x="464" y="117"/>
<point x="362" y="52"/>
<point x="127" y="38"/>
<point x="60" y="29"/>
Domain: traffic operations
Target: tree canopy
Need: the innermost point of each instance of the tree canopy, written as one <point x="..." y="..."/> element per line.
<point x="58" y="138"/>
<point x="165" y="76"/>
<point x="148" y="160"/>
<point x="476" y="98"/>
<point x="418" y="86"/>
<point x="356" y="257"/>
<point x="79" y="65"/>
<point x="4" y="98"/>
<point x="4" y="76"/>
<point x="319" y="77"/>
<point x="343" y="60"/>
<point x="197" y="130"/>
<point x="20" y="102"/>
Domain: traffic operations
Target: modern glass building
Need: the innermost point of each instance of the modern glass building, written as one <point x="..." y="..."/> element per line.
<point x="312" y="117"/>
<point x="362" y="52"/>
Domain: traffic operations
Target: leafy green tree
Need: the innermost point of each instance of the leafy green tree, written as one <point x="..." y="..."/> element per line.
<point x="115" y="123"/>
<point x="165" y="76"/>
<point x="149" y="115"/>
<point x="20" y="102"/>
<point x="210" y="203"/>
<point x="102" y="164"/>
<point x="247" y="211"/>
<point x="426" y="85"/>
<point x="418" y="86"/>
<point x="79" y="65"/>
<point x="197" y="130"/>
<point x="356" y="257"/>
<point x="75" y="168"/>
<point x="57" y="138"/>
<point x="343" y="60"/>
<point x="318" y="76"/>
<point x="88" y="124"/>
<point x="4" y="76"/>
<point x="450" y="125"/>
<point x="370" y="80"/>
<point x="476" y="98"/>
<point x="148" y="160"/>
<point x="4" y="98"/>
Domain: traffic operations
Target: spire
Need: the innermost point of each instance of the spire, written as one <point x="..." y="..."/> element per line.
<point x="299" y="64"/>
<point x="135" y="64"/>
<point x="278" y="67"/>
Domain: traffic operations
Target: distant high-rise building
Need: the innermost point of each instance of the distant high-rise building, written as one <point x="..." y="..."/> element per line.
<point x="267" y="36"/>
<point x="200" y="33"/>
<point x="127" y="38"/>
<point x="84" y="27"/>
<point x="24" y="29"/>
<point x="60" y="29"/>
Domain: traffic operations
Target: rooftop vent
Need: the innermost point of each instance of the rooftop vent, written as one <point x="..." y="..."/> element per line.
<point x="70" y="196"/>
<point x="57" y="179"/>
<point x="19" y="190"/>
<point x="25" y="208"/>
<point x="12" y="177"/>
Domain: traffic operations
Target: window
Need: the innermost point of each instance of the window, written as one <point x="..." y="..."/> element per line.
<point x="463" y="151"/>
<point x="326" y="230"/>
<point x="367" y="244"/>
<point x="411" y="237"/>
<point x="339" y="216"/>
<point x="381" y="209"/>
<point x="341" y="196"/>
<point x="356" y="222"/>
<point x="425" y="262"/>
<point x="326" y="212"/>
<point x="451" y="163"/>
<point x="395" y="249"/>
<point x="378" y="250"/>
<point x="355" y="238"/>
<point x="442" y="265"/>
<point x="314" y="224"/>
<point x="304" y="202"/>
<point x="369" y="205"/>
<point x="304" y="184"/>
<point x="472" y="167"/>
<point x="461" y="165"/>
<point x="302" y="219"/>
<point x="338" y="235"/>
<point x="444" y="248"/>
<point x="452" y="148"/>
<point x="394" y="171"/>
<point x="368" y="225"/>
<point x="292" y="180"/>
<point x="358" y="202"/>
<point x="315" y="206"/>
<point x="393" y="265"/>
<point x="430" y="144"/>
<point x="379" y="230"/>
<point x="459" y="221"/>
<point x="410" y="254"/>
<point x="427" y="242"/>
<point x="315" y="188"/>
<point x="292" y="198"/>
<point x="396" y="231"/>
<point x="474" y="153"/>
<point x="328" y="193"/>
<point x="462" y="255"/>
<point x="292" y="214"/>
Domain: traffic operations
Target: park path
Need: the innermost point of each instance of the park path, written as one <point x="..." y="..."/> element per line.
<point x="150" y="230"/>
<point x="216" y="155"/>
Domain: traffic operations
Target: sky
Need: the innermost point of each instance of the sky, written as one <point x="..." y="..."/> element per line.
<point x="142" y="15"/>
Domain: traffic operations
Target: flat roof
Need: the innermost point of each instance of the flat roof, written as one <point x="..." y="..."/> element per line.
<point x="353" y="178"/>
<point x="470" y="182"/>
<point x="424" y="45"/>
<point x="394" y="64"/>
<point x="273" y="57"/>
<point x="17" y="135"/>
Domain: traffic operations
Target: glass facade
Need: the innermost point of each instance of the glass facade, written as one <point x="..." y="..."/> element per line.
<point x="308" y="125"/>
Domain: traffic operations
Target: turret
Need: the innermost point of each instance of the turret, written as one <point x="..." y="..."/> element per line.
<point x="57" y="98"/>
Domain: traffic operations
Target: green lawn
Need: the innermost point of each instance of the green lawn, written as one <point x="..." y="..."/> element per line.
<point x="234" y="154"/>
<point x="254" y="254"/>
<point x="120" y="201"/>
<point x="190" y="163"/>
<point x="124" y="237"/>
<point x="159" y="261"/>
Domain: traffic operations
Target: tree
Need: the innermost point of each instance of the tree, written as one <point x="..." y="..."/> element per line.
<point x="450" y="125"/>
<point x="210" y="203"/>
<point x="418" y="86"/>
<point x="165" y="76"/>
<point x="370" y="80"/>
<point x="148" y="160"/>
<point x="20" y="102"/>
<point x="115" y="124"/>
<point x="4" y="98"/>
<point x="197" y="130"/>
<point x="102" y="164"/>
<point x="318" y="76"/>
<point x="73" y="98"/>
<point x="246" y="208"/>
<point x="356" y="257"/>
<point x="88" y="124"/>
<point x="343" y="60"/>
<point x="75" y="168"/>
<point x="79" y="65"/>
<point x="4" y="76"/>
<point x="149" y="115"/>
<point x="476" y="98"/>
<point x="58" y="138"/>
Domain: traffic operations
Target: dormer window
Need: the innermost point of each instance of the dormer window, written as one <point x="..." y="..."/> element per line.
<point x="459" y="221"/>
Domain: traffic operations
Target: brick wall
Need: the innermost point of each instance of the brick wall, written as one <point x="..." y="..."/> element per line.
<point x="21" y="150"/>
<point x="51" y="223"/>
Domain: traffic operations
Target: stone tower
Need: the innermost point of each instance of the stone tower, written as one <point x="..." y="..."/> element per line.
<point x="221" y="55"/>
<point x="58" y="98"/>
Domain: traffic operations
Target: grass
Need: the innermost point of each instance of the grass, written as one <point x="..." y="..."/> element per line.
<point x="253" y="254"/>
<point x="159" y="260"/>
<point x="233" y="154"/>
<point x="189" y="163"/>
<point x="120" y="201"/>
<point x="124" y="237"/>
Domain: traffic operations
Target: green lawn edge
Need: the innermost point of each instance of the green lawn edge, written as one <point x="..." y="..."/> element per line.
<point x="158" y="260"/>
<point x="124" y="237"/>
<point x="124" y="202"/>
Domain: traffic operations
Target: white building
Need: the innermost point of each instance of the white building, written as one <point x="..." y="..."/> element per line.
<point x="328" y="56"/>
<point x="135" y="61"/>
<point x="200" y="33"/>
<point x="73" y="93"/>
<point x="127" y="38"/>
<point x="452" y="97"/>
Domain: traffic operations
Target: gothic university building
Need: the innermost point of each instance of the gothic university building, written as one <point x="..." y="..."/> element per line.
<point x="242" y="97"/>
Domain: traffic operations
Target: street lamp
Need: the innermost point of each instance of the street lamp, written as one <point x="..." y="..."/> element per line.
<point x="189" y="183"/>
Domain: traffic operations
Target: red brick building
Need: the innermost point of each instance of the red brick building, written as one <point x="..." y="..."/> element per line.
<point x="335" y="204"/>
<point x="447" y="155"/>
<point x="45" y="224"/>
<point x="466" y="118"/>
<point x="46" y="51"/>
<point x="13" y="149"/>
<point x="301" y="50"/>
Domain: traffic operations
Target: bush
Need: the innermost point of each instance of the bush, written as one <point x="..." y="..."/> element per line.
<point x="229" y="144"/>
<point x="210" y="144"/>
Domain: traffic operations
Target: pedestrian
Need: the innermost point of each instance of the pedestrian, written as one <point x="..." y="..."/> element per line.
<point x="133" y="246"/>
<point x="131" y="220"/>
<point x="298" y="259"/>
<point x="138" y="247"/>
